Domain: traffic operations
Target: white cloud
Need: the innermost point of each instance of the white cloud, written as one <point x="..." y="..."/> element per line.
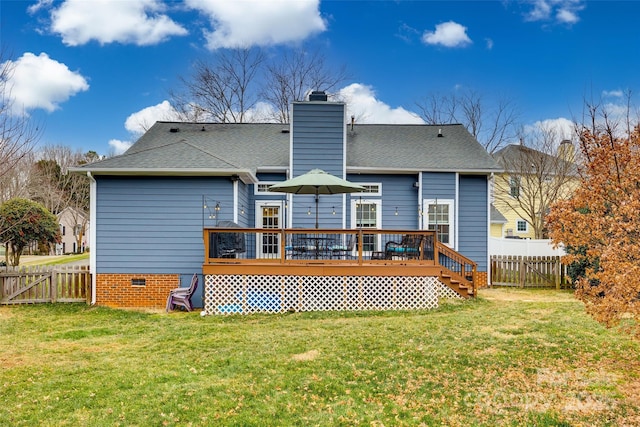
<point x="139" y="22"/>
<point x="541" y="11"/>
<point x="448" y="34"/>
<point x="566" y="16"/>
<point x="616" y="112"/>
<point x="41" y="82"/>
<point x="489" y="43"/>
<point x="262" y="112"/>
<point x="560" y="11"/>
<point x="118" y="146"/>
<point x="363" y="105"/>
<point x="561" y="127"/>
<point x="612" y="93"/>
<point x="259" y="22"/>
<point x="140" y="121"/>
<point x="41" y="4"/>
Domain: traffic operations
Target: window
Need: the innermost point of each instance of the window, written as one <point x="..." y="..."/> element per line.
<point x="514" y="187"/>
<point x="371" y="189"/>
<point x="263" y="188"/>
<point x="521" y="226"/>
<point x="439" y="216"/>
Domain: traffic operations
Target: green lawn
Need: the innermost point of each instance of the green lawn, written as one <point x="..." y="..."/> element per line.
<point x="52" y="260"/>
<point x="509" y="358"/>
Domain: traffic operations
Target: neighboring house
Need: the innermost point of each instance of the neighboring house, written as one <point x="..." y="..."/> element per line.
<point x="150" y="205"/>
<point x="74" y="230"/>
<point x="530" y="183"/>
<point x="498" y="222"/>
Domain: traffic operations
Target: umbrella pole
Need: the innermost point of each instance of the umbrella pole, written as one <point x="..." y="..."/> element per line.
<point x="316" y="208"/>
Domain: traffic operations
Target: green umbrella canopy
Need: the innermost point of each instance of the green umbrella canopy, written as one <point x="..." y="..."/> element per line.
<point x="316" y="181"/>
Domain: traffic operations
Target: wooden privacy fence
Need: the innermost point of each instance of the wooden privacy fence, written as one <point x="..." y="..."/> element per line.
<point x="529" y="272"/>
<point x="38" y="284"/>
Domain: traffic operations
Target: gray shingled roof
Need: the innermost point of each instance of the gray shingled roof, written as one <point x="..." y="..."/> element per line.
<point x="512" y="156"/>
<point x="495" y="216"/>
<point x="416" y="147"/>
<point x="212" y="148"/>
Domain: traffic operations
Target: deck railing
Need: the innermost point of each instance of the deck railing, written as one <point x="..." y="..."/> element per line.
<point x="301" y="245"/>
<point x="458" y="264"/>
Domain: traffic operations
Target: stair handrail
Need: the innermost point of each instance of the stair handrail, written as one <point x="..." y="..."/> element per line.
<point x="465" y="267"/>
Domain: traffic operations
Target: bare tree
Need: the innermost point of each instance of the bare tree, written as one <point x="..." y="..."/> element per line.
<point x="223" y="90"/>
<point x="293" y="76"/>
<point x="536" y="175"/>
<point x="52" y="185"/>
<point x="492" y="124"/>
<point x="227" y="89"/>
<point x="15" y="181"/>
<point x="18" y="134"/>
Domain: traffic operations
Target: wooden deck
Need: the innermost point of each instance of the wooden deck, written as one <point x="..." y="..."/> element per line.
<point x="336" y="253"/>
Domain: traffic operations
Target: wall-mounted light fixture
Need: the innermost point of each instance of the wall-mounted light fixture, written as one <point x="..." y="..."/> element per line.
<point x="334" y="211"/>
<point x="212" y="206"/>
<point x="242" y="210"/>
<point x="396" y="212"/>
<point x="309" y="211"/>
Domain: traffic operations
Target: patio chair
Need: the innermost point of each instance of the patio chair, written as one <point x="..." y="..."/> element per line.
<point x="182" y="296"/>
<point x="408" y="247"/>
<point x="344" y="251"/>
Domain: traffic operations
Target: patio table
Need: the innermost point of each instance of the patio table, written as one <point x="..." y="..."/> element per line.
<point x="319" y="245"/>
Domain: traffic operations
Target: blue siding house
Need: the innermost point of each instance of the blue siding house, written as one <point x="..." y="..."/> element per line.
<point x="149" y="206"/>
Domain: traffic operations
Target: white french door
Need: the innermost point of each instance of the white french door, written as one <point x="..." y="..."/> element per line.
<point x="268" y="216"/>
<point x="367" y="214"/>
<point x="439" y="216"/>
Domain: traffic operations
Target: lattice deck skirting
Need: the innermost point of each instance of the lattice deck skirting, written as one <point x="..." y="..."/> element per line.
<point x="246" y="294"/>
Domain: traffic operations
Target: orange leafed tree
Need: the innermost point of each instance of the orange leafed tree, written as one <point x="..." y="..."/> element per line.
<point x="600" y="227"/>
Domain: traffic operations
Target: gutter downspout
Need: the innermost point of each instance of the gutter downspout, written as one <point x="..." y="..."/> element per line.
<point x="235" y="201"/>
<point x="420" y="204"/>
<point x="490" y="190"/>
<point x="92" y="234"/>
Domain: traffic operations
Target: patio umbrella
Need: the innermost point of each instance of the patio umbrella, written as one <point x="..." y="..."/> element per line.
<point x="316" y="182"/>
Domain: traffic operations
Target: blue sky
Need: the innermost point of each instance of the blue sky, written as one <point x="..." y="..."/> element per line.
<point x="93" y="72"/>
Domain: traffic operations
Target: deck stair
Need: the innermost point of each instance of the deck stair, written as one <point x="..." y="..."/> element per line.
<point x="458" y="272"/>
<point x="461" y="286"/>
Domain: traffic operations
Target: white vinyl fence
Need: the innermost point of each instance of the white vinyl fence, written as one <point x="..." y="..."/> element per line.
<point x="523" y="247"/>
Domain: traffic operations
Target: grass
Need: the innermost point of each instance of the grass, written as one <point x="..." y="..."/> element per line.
<point x="510" y="358"/>
<point x="53" y="260"/>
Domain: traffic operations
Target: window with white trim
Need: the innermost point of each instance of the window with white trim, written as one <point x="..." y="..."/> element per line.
<point x="439" y="216"/>
<point x="263" y="188"/>
<point x="370" y="188"/>
<point x="522" y="226"/>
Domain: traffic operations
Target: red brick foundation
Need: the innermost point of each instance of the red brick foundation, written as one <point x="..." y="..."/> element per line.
<point x="483" y="279"/>
<point x="116" y="290"/>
